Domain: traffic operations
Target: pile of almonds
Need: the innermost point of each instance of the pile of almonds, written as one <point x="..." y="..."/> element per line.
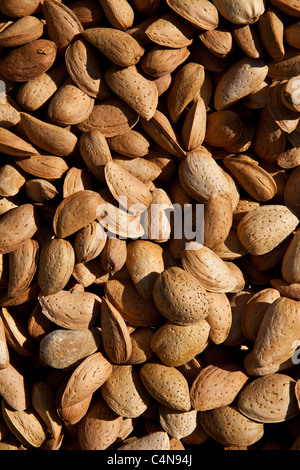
<point x="127" y="342"/>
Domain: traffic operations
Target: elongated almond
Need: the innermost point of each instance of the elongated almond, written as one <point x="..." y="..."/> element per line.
<point x="271" y="30"/>
<point x="200" y="13"/>
<point x="120" y="15"/>
<point x="72" y="309"/>
<point x="14" y="145"/>
<point x="48" y="167"/>
<point x="161" y="61"/>
<point x="75" y="212"/>
<point x="88" y="243"/>
<point x="170" y="30"/>
<point x="132" y="87"/>
<point x="62" y="24"/>
<point x="17" y="226"/>
<point x="26" y="29"/>
<point x="248" y="12"/>
<point x="121" y="48"/>
<point x="23" y="262"/>
<point x="86" y="70"/>
<point x="29" y="61"/>
<point x="51" y="138"/>
<point x="194" y="126"/>
<point x="14" y="388"/>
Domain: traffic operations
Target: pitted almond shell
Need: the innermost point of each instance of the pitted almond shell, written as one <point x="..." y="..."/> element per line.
<point x="256" y="230"/>
<point x="73" y="309"/>
<point x="14" y="145"/>
<point x="75" y="212"/>
<point x="120" y="15"/>
<point x="160" y="61"/>
<point x="61" y="22"/>
<point x="94" y="149"/>
<point x="48" y="137"/>
<point x="177" y="424"/>
<point x="176" y="345"/>
<point x="125" y="393"/>
<point x="131" y="144"/>
<point x="145" y="170"/>
<point x="14" y="388"/>
<point x="12" y="179"/>
<point x="131" y="86"/>
<point x="144" y="263"/>
<point x="111" y="117"/>
<point x="269" y="399"/>
<point x="223" y="128"/>
<point x="91" y="373"/>
<point x="248" y="40"/>
<point x="23" y="263"/>
<point x="26" y="425"/>
<point x="56" y="263"/>
<point x="211" y="271"/>
<point x="200" y="13"/>
<point x="43" y="402"/>
<point x="180" y="297"/>
<point x="29" y="61"/>
<point x="17" y="226"/>
<point x="77" y="179"/>
<point x="86" y="70"/>
<point x="153" y="441"/>
<point x="48" y="167"/>
<point x="88" y="244"/>
<point x="290" y="261"/>
<point x="118" y="46"/>
<point x="238" y="81"/>
<point x="4" y="351"/>
<point x="219" y="316"/>
<point x="127" y="300"/>
<point x="271" y="30"/>
<point x="166" y="385"/>
<point x="228" y="426"/>
<point x="170" y="31"/>
<point x="26" y="29"/>
<point x="217" y="386"/>
<point x="247" y="13"/>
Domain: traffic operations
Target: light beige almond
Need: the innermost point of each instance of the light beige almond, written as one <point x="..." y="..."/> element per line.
<point x="176" y="345"/>
<point x="247" y="13"/>
<point x="14" y="388"/>
<point x="180" y="297"/>
<point x="40" y="190"/>
<point x="290" y="93"/>
<point x="73" y="309"/>
<point x="171" y="31"/>
<point x="218" y="41"/>
<point x="159" y="228"/>
<point x="23" y="263"/>
<point x="17" y="335"/>
<point x="206" y="266"/>
<point x="26" y="425"/>
<point x="286" y="118"/>
<point x="75" y="212"/>
<point x="131" y="144"/>
<point x="200" y="13"/>
<point x="218" y="216"/>
<point x="255" y="310"/>
<point x="161" y="61"/>
<point x="194" y="126"/>
<point x="144" y="263"/>
<point x="228" y="426"/>
<point x="256" y="229"/>
<point x="118" y="46"/>
<point x="56" y="263"/>
<point x="17" y="226"/>
<point x="153" y="441"/>
<point x="14" y="145"/>
<point x="186" y="83"/>
<point x="95" y="152"/>
<point x="120" y="15"/>
<point x="176" y="423"/>
<point x="12" y="179"/>
<point x="271" y="30"/>
<point x="34" y="93"/>
<point x="50" y="138"/>
<point x="247" y="73"/>
<point x="127" y="300"/>
<point x="166" y="385"/>
<point x="131" y="86"/>
<point x="70" y="105"/>
<point x="145" y="170"/>
<point x="89" y="242"/>
<point x="61" y="23"/>
<point x="86" y="70"/>
<point x="48" y="167"/>
<point x="77" y="179"/>
<point x="269" y="399"/>
<point x="217" y="386"/>
<point x="124" y="392"/>
<point x="219" y="317"/>
<point x="22" y="31"/>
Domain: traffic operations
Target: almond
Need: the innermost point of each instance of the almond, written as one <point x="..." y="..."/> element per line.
<point x="48" y="167"/>
<point x="166" y="385"/>
<point x="5" y="355"/>
<point x="141" y="94"/>
<point x="194" y="126"/>
<point x="62" y="349"/>
<point x="271" y="30"/>
<point x="88" y="244"/>
<point x="161" y="61"/>
<point x="219" y="317"/>
<point x="131" y="144"/>
<point x="247" y="13"/>
<point x="88" y="12"/>
<point x="291" y="192"/>
<point x="17" y="226"/>
<point x="170" y="31"/>
<point x="180" y="297"/>
<point x="40" y="190"/>
<point x="124" y="392"/>
<point x="14" y="145"/>
<point x="12" y="180"/>
<point x="228" y="426"/>
<point x="77" y="179"/>
<point x="257" y="236"/>
<point x="72" y="309"/>
<point x="238" y="81"/>
<point x="120" y="16"/>
<point x="56" y="264"/>
<point x="75" y="212"/>
<point x="50" y="138"/>
<point x="248" y="39"/>
<point x="95" y="152"/>
<point x="223" y="128"/>
<point x="29" y="61"/>
<point x="177" y="424"/>
<point x="226" y="382"/>
<point x="269" y="399"/>
<point x="218" y="41"/>
<point x="118" y="46"/>
<point x="141" y="349"/>
<point x="62" y="24"/>
<point x="23" y="262"/>
<point x="14" y="388"/>
<point x="153" y="441"/>
<point x="200" y="13"/>
<point x="290" y="261"/>
<point x="22" y="31"/>
<point x="177" y="344"/>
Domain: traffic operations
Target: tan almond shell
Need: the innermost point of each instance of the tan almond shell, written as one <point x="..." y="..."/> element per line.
<point x="125" y="393"/>
<point x="200" y="13"/>
<point x="271" y="31"/>
<point x="43" y="401"/>
<point x="225" y="382"/>
<point x="219" y="317"/>
<point x="171" y="31"/>
<point x="88" y="245"/>
<point x="17" y="226"/>
<point x="26" y="29"/>
<point x="73" y="309"/>
<point x="77" y="179"/>
<point x="141" y="345"/>
<point x="4" y="351"/>
<point x="40" y="190"/>
<point x="23" y="263"/>
<point x="14" y="388"/>
<point x="120" y="15"/>
<point x="48" y="167"/>
<point x="269" y="399"/>
<point x="161" y="61"/>
<point x="166" y="385"/>
<point x="153" y="441"/>
<point x="228" y="426"/>
<point x="177" y="424"/>
<point x="87" y="377"/>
